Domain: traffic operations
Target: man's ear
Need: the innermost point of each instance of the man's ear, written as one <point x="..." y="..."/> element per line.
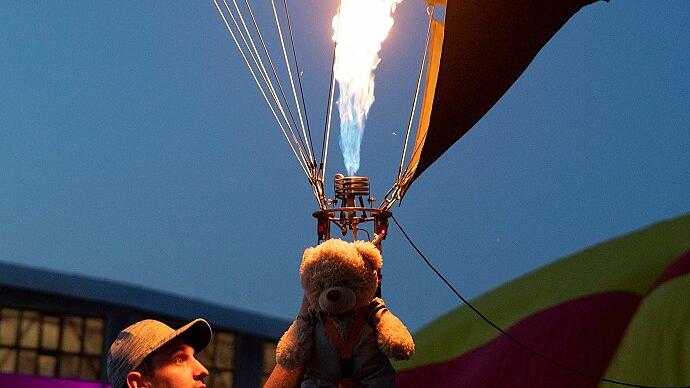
<point x="135" y="380"/>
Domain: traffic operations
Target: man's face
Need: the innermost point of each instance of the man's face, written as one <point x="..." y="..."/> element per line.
<point x="174" y="366"/>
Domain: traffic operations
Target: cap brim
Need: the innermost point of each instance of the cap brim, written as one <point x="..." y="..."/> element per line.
<point x="196" y="333"/>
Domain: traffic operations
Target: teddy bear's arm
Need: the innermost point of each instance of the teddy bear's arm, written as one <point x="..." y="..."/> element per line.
<point x="394" y="340"/>
<point x="294" y="347"/>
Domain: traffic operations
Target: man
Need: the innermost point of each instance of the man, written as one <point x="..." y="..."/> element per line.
<point x="151" y="354"/>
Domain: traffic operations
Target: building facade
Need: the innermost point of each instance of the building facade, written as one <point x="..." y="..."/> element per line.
<point x="55" y="330"/>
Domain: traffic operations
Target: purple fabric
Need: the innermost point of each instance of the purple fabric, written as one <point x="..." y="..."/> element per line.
<point x="18" y="381"/>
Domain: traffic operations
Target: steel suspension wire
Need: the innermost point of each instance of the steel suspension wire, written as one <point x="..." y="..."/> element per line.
<point x="418" y="148"/>
<point x="261" y="89"/>
<point x="430" y="11"/>
<point x="299" y="78"/>
<point x="260" y="65"/>
<point x="513" y="338"/>
<point x="292" y="81"/>
<point x="273" y="68"/>
<point x="329" y="107"/>
<point x="396" y="193"/>
<point x="310" y="161"/>
<point x="327" y="127"/>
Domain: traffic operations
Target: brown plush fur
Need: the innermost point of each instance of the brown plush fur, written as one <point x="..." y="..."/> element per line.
<point x="394" y="339"/>
<point x="295" y="345"/>
<point x="337" y="264"/>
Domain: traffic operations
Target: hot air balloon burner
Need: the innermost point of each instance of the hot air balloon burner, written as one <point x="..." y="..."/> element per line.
<point x="351" y="189"/>
<point x="351" y="210"/>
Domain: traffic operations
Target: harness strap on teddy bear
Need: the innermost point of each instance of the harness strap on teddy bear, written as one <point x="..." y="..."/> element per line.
<point x="345" y="346"/>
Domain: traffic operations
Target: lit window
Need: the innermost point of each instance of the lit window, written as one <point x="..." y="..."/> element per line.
<point x="46" y="365"/>
<point x="8" y="326"/>
<point x="35" y="343"/>
<point x="28" y="335"/>
<point x="219" y="359"/>
<point x="8" y="359"/>
<point x="269" y="360"/>
<point x="50" y="332"/>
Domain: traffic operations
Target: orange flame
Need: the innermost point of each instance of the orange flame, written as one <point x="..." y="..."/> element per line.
<point x="360" y="28"/>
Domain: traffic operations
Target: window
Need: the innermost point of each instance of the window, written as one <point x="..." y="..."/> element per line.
<point x="37" y="343"/>
<point x="269" y="360"/>
<point x="219" y="359"/>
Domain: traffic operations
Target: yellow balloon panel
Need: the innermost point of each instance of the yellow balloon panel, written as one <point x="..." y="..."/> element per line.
<point x="656" y="347"/>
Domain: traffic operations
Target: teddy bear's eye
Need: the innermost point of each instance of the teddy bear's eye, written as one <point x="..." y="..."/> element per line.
<point x="341" y="283"/>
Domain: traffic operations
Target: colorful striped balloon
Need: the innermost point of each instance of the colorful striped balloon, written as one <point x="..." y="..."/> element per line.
<point x="619" y="310"/>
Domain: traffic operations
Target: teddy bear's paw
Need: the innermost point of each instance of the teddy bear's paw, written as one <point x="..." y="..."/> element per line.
<point x="394" y="339"/>
<point x="294" y="346"/>
<point x="289" y="358"/>
<point x="401" y="350"/>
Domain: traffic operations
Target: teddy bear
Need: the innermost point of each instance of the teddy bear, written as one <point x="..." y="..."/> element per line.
<point x="347" y="336"/>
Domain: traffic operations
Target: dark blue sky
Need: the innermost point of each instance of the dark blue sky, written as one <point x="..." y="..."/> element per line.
<point x="134" y="147"/>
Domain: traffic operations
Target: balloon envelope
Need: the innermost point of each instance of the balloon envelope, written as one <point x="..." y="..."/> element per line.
<point x="481" y="51"/>
<point x="619" y="310"/>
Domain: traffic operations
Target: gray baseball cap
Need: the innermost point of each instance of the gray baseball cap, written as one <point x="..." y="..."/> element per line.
<point x="139" y="340"/>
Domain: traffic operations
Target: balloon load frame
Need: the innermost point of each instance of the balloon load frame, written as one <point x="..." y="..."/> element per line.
<point x="352" y="192"/>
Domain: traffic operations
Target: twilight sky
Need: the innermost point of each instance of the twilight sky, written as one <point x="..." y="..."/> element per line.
<point x="135" y="147"/>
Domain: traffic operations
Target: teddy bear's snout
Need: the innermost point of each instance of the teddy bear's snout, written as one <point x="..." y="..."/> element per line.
<point x="337" y="300"/>
<point x="333" y="295"/>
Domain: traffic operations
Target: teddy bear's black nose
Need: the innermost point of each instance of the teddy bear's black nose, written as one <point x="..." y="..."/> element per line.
<point x="333" y="295"/>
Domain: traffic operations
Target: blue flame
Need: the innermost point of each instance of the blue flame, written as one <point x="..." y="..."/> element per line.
<point x="353" y="109"/>
<point x="350" y="143"/>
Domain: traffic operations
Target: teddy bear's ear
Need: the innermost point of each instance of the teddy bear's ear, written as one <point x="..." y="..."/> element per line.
<point x="308" y="253"/>
<point x="369" y="252"/>
<point x="307" y="257"/>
